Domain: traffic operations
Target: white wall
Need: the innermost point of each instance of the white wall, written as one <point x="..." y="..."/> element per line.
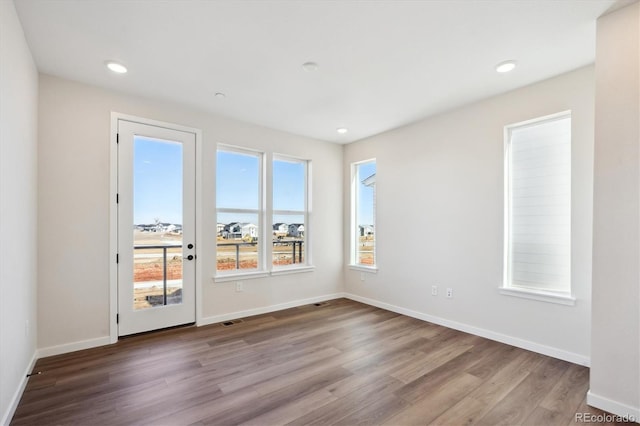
<point x="18" y="209"/>
<point x="444" y="176"/>
<point x="615" y="348"/>
<point x="74" y="211"/>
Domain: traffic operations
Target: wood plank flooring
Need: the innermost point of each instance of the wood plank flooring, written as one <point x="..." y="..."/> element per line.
<point x="341" y="363"/>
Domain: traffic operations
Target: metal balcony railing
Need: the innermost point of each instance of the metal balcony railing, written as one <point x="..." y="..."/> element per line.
<point x="164" y="248"/>
<point x="296" y="246"/>
<point x="296" y="254"/>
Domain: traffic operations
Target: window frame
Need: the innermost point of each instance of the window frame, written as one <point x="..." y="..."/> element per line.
<point x="265" y="217"/>
<point x="353" y="231"/>
<point x="261" y="270"/>
<point x="507" y="288"/>
<point x="306" y="214"/>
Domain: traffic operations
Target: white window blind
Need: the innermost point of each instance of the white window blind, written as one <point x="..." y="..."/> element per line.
<point x="538" y="205"/>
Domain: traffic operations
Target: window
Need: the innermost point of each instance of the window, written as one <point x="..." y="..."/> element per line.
<point x="290" y="211"/>
<point x="538" y="206"/>
<point x="363" y="214"/>
<point x="244" y="243"/>
<point x="239" y="210"/>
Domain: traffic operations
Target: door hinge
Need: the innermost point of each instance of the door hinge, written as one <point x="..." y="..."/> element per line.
<point x="117" y="318"/>
<point x="117" y="137"/>
<point x="117" y="258"/>
<point x="117" y="198"/>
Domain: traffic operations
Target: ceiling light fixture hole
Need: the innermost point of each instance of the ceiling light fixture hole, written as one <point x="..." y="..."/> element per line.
<point x="310" y="66"/>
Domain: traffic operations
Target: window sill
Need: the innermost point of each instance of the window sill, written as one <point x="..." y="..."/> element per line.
<point x="239" y="276"/>
<point x="542" y="296"/>
<point x="262" y="274"/>
<point x="293" y="270"/>
<point x="362" y="268"/>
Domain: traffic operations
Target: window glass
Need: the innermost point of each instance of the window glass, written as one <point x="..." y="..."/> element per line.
<point x="289" y="185"/>
<point x="364" y="205"/>
<point x="237" y="180"/>
<point x="290" y="212"/>
<point x="238" y="186"/>
<point x="538" y="205"/>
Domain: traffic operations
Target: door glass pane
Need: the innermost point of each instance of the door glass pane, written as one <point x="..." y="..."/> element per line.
<point x="157" y="218"/>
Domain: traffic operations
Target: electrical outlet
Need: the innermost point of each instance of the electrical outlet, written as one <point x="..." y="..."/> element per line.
<point x="239" y="286"/>
<point x="449" y="293"/>
<point x="361" y="276"/>
<point x="434" y="290"/>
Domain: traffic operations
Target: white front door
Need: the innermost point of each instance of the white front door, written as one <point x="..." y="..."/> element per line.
<point x="156" y="227"/>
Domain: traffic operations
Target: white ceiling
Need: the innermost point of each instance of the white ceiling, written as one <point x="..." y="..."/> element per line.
<point x="382" y="64"/>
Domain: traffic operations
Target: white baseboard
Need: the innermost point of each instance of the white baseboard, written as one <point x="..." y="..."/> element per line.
<point x="8" y="415"/>
<point x="488" y="334"/>
<point x="266" y="309"/>
<point x="594" y="400"/>
<point x="106" y="340"/>
<point x="72" y="347"/>
<point x="627" y="412"/>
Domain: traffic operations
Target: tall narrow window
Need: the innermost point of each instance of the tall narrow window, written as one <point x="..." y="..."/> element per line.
<point x="538" y="205"/>
<point x="363" y="213"/>
<point x="239" y="210"/>
<point x="290" y="211"/>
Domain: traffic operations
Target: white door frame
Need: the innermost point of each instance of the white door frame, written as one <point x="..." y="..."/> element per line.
<point x="113" y="214"/>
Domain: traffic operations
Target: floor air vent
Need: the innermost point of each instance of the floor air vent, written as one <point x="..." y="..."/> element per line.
<point x="321" y="304"/>
<point x="228" y="323"/>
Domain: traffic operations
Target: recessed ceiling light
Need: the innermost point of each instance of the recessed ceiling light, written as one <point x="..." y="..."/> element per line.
<point x="505" y="66"/>
<point x="342" y="130"/>
<point x="116" y="67"/>
<point x="220" y="95"/>
<point x="310" y="66"/>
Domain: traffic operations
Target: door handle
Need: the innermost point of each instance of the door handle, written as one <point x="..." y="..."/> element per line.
<point x="190" y="257"/>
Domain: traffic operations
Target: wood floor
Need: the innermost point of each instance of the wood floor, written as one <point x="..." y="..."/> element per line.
<point x="339" y="363"/>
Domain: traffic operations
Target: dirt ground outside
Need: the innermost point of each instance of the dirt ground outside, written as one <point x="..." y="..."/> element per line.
<point x="148" y="263"/>
<point x="365" y="252"/>
<point x="149" y="297"/>
<point x="282" y="254"/>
